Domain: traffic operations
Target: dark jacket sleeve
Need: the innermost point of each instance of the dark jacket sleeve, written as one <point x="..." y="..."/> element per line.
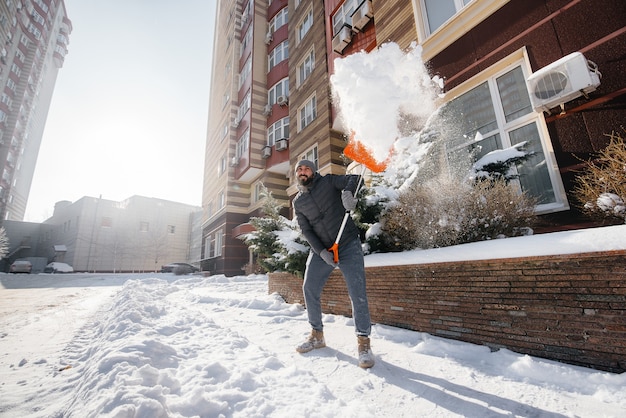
<point x="309" y="234"/>
<point x="319" y="211"/>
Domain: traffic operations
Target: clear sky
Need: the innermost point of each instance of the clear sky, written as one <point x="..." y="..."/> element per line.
<point x="130" y="107"/>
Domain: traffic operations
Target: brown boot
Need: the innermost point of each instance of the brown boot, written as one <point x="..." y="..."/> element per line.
<point x="366" y="357"/>
<point x="313" y="341"/>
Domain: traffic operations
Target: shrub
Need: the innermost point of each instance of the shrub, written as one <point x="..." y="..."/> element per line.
<point x="446" y="212"/>
<point x="601" y="189"/>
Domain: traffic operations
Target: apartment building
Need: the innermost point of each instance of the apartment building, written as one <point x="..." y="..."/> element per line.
<point x="34" y="35"/>
<point x="270" y="103"/>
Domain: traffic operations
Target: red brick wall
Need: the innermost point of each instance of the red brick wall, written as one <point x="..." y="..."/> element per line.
<point x="570" y="308"/>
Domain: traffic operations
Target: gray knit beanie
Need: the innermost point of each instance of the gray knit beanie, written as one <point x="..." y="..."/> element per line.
<point x="306" y="163"/>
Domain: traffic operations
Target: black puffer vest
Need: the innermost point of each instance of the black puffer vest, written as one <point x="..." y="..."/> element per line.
<point x="319" y="210"/>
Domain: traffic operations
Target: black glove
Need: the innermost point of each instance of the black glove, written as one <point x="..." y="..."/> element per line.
<point x="327" y="256"/>
<point x="348" y="200"/>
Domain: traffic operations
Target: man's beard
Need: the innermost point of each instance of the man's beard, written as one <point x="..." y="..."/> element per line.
<point x="305" y="180"/>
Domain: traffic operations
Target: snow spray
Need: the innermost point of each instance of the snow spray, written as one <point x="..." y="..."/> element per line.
<point x="378" y="92"/>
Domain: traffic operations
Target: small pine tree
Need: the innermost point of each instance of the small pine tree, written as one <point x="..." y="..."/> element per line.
<point x="276" y="241"/>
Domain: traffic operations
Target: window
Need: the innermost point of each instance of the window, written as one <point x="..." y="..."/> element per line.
<point x="277" y="55"/>
<point x="171" y="229"/>
<point x="279" y="89"/>
<point x="280" y="19"/>
<point x="306" y="25"/>
<point x="343" y="15"/>
<point x="245" y="72"/>
<point x="306" y="68"/>
<point x="497" y="114"/>
<point x="221" y="167"/>
<point x="208" y="246"/>
<point x="244" y="106"/>
<point x="106" y="222"/>
<point x="144" y="226"/>
<point x="278" y="130"/>
<point x="308" y="113"/>
<point x="256" y="193"/>
<point x="242" y="145"/>
<point x="221" y="200"/>
<point x="437" y="12"/>
<point x="311" y="155"/>
<point x="247" y="40"/>
<point x="219" y="239"/>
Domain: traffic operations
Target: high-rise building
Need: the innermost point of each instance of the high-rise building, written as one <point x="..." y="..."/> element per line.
<point x="33" y="43"/>
<point x="270" y="101"/>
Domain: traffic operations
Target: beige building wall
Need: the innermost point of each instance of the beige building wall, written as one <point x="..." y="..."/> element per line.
<point x="139" y="234"/>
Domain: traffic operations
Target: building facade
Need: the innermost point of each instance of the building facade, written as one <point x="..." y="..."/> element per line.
<point x="270" y="102"/>
<point x="34" y="35"/>
<point x="139" y="234"/>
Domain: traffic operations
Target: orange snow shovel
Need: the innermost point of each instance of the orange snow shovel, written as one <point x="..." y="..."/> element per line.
<point x="361" y="154"/>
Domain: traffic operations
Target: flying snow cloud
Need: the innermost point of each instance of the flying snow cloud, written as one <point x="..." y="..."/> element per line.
<point x="375" y="91"/>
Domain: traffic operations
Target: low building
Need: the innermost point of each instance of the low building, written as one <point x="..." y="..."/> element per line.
<point x="138" y="234"/>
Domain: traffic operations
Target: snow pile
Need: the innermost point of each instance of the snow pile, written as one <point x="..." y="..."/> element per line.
<point x="86" y="345"/>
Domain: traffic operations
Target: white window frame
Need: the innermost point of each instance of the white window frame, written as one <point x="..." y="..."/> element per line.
<point x="256" y="192"/>
<point x="222" y="165"/>
<point x="278" y="55"/>
<point x="504" y="129"/>
<point x="457" y="4"/>
<point x="305" y="24"/>
<point x="278" y="130"/>
<point x="243" y="144"/>
<point x="245" y="41"/>
<point x="208" y="246"/>
<point x="281" y="88"/>
<point x="245" y="72"/>
<point x="343" y="15"/>
<point x="221" y="200"/>
<point x="306" y="67"/>
<point x="312" y="155"/>
<point x="219" y="242"/>
<point x="244" y="106"/>
<point x="279" y="20"/>
<point x="307" y="113"/>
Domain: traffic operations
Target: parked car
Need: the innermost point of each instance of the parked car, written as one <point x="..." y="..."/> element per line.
<point x="21" y="266"/>
<point x="56" y="267"/>
<point x="179" y="268"/>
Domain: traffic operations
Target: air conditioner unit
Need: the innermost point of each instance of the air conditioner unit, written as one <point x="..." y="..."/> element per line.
<point x="267" y="110"/>
<point x="342" y="39"/>
<point x="234" y="161"/>
<point x="282" y="100"/>
<point x="266" y="151"/>
<point x="282" y="144"/>
<point x="269" y="37"/>
<point x="362" y="16"/>
<point x="236" y="122"/>
<point x="562" y="81"/>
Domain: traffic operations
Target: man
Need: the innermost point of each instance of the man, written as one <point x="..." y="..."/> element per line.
<point x="320" y="207"/>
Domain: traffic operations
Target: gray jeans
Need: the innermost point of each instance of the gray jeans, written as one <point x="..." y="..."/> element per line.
<point x="352" y="267"/>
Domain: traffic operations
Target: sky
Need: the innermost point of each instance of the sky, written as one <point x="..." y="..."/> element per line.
<point x="130" y="107"/>
<point x="160" y="345"/>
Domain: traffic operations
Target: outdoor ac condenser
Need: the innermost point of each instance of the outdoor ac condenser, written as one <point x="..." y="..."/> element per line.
<point x="565" y="79"/>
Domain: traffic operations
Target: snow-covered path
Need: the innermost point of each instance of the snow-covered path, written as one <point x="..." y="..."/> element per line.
<point x="164" y="346"/>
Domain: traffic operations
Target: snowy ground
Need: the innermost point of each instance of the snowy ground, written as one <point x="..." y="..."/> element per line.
<point x="159" y="345"/>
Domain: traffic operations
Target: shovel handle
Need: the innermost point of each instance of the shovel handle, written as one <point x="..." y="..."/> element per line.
<point x="335" y="248"/>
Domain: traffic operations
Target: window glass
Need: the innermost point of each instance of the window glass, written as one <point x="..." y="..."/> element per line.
<point x="497" y="114"/>
<point x="533" y="173"/>
<point x="513" y="94"/>
<point x="278" y="130"/>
